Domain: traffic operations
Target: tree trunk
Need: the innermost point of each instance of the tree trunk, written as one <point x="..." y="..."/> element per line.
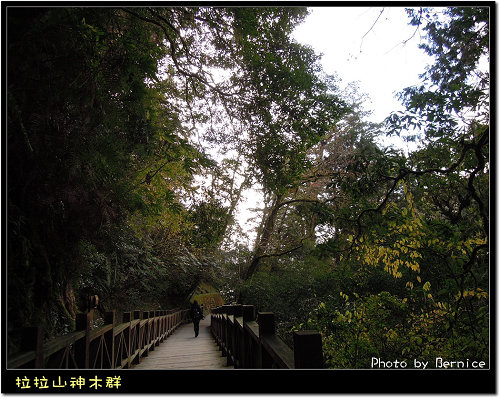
<point x="264" y="238"/>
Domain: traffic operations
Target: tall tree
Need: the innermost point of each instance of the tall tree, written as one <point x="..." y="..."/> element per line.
<point x="77" y="109"/>
<point x="111" y="114"/>
<point x="426" y="222"/>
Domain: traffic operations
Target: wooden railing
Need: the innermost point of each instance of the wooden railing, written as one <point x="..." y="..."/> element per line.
<point x="249" y="343"/>
<point x="111" y="346"/>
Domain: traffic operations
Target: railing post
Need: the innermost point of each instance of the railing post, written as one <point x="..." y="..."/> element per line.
<point x="165" y="320"/>
<point x="140" y="335"/>
<point x="162" y="325"/>
<point x="147" y="333"/>
<point x="237" y="310"/>
<point x="267" y="326"/>
<point x="137" y="342"/>
<point x="109" y="318"/>
<point x="224" y="322"/>
<point x="215" y="322"/>
<point x="221" y="330"/>
<point x="127" y="318"/>
<point x="169" y="321"/>
<point x="234" y="310"/>
<point x="82" y="345"/>
<point x="230" y="334"/>
<point x="237" y="335"/>
<point x="246" y="340"/>
<point x="155" y="329"/>
<point x="248" y="313"/>
<point x="307" y="350"/>
<point x="32" y="337"/>
<point x="155" y="333"/>
<point x="266" y="323"/>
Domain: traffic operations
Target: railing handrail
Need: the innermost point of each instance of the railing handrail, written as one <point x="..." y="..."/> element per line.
<point x="249" y="343"/>
<point x="126" y="342"/>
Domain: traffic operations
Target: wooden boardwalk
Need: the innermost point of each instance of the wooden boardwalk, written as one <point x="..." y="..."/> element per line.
<point x="183" y="351"/>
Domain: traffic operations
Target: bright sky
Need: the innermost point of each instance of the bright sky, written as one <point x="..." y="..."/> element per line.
<point x="375" y="58"/>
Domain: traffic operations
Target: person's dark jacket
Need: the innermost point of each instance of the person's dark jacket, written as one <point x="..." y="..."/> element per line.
<point x="196" y="312"/>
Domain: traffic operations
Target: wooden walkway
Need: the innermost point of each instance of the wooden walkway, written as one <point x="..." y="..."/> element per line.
<point x="182" y="350"/>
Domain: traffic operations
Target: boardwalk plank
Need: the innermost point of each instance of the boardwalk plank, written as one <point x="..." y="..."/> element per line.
<point x="183" y="351"/>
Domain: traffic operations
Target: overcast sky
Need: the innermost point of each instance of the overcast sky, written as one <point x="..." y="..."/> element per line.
<point x="364" y="44"/>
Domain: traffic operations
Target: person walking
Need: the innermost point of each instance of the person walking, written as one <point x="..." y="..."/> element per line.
<point x="196" y="315"/>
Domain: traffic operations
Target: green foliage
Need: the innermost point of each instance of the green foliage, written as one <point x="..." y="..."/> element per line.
<point x="83" y="118"/>
<point x="209" y="224"/>
<point x="355" y="329"/>
<point x="290" y="293"/>
<point x="406" y="235"/>
<point x="115" y="117"/>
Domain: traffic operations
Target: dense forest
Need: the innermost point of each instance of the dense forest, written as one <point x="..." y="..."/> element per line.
<point x="133" y="135"/>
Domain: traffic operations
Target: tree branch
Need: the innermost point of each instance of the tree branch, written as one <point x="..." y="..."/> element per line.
<point x="369" y="30"/>
<point x="283" y="252"/>
<point x="173" y="54"/>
